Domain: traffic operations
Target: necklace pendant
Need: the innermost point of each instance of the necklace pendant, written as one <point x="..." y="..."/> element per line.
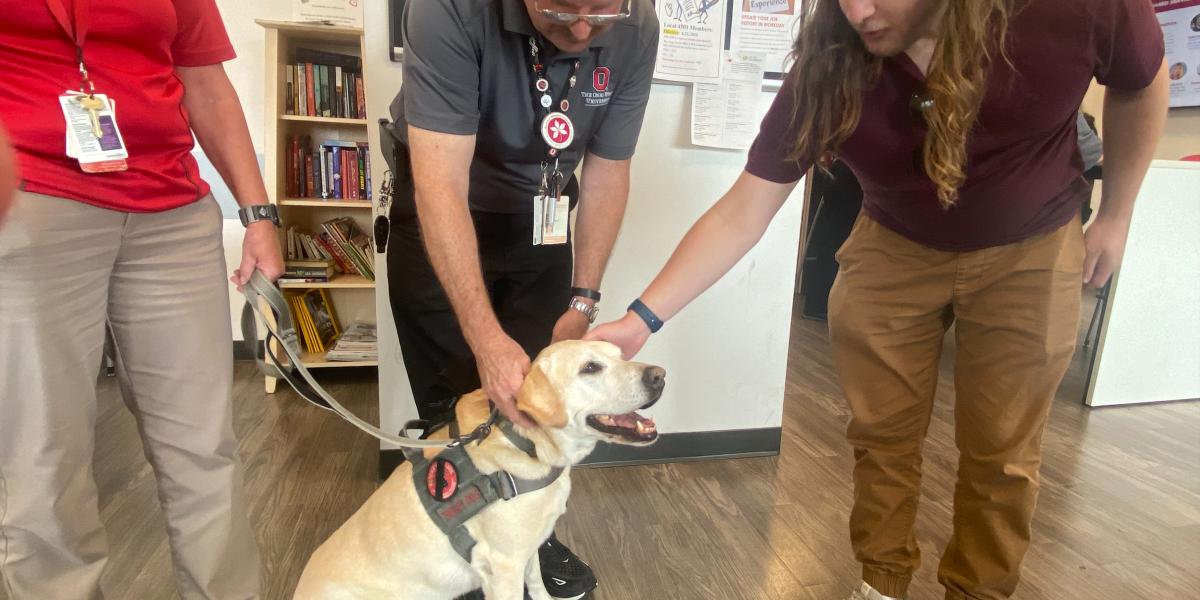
<point x="542" y="84"/>
<point x="546" y="101"/>
<point x="565" y="105"/>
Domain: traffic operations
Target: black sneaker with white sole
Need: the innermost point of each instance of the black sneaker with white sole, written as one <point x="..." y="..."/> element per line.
<point x="565" y="575"/>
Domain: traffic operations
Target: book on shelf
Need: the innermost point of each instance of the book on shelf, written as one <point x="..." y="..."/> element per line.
<point x="308" y="271"/>
<point x="325" y="84"/>
<point x="358" y="343"/>
<point x="290" y="88"/>
<point x="313" y="311"/>
<point x="353" y="243"/>
<point x="308" y="263"/>
<point x="335" y="250"/>
<point x="310" y="106"/>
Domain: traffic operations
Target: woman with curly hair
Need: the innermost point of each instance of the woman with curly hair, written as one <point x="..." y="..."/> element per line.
<point x="958" y="118"/>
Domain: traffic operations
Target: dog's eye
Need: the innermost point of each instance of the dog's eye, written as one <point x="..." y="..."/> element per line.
<point x="591" y="368"/>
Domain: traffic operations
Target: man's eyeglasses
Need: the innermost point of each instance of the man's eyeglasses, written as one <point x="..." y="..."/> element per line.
<point x="566" y="18"/>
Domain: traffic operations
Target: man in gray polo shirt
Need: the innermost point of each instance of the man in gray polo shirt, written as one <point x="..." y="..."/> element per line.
<point x="501" y="101"/>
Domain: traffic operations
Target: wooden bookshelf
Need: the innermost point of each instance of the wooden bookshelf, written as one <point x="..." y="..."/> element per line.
<point x="339" y="282"/>
<point x="322" y="203"/>
<point x="353" y="296"/>
<point x="326" y="120"/>
<point x="317" y="361"/>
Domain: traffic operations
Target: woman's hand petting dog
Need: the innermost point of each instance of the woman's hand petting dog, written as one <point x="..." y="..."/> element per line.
<point x="629" y="333"/>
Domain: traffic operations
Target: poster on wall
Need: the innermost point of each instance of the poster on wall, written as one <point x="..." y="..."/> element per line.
<point x="1180" y="20"/>
<point x="346" y="13"/>
<point x="766" y="26"/>
<point x="692" y="40"/>
<point x="725" y="115"/>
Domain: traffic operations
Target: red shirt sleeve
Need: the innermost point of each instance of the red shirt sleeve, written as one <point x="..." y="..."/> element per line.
<point x="768" y="156"/>
<point x="201" y="38"/>
<point x="1129" y="43"/>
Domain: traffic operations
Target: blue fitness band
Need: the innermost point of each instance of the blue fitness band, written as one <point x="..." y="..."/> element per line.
<point x="647" y="315"/>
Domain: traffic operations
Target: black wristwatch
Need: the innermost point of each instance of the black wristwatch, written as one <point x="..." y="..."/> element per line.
<point x="259" y="212"/>
<point x="583" y="292"/>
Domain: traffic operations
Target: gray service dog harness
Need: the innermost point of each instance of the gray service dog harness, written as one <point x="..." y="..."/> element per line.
<point x="453" y="490"/>
<point x="450" y="486"/>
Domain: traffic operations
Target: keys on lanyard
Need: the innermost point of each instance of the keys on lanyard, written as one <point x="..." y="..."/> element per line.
<point x="93" y="106"/>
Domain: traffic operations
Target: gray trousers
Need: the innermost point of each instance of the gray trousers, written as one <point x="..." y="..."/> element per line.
<point x="68" y="270"/>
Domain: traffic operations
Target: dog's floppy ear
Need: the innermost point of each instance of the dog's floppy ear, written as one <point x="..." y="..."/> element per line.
<point x="540" y="400"/>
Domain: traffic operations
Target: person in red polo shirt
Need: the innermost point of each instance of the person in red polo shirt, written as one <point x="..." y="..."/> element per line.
<point x="121" y="234"/>
<point x="958" y="119"/>
<point x="7" y="174"/>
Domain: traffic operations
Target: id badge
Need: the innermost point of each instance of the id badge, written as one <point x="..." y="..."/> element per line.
<point x="550" y="219"/>
<point x="92" y="135"/>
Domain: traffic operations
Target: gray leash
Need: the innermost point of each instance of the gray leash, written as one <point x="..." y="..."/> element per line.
<point x="259" y="291"/>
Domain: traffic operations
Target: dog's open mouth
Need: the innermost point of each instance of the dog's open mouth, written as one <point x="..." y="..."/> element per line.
<point x="629" y="426"/>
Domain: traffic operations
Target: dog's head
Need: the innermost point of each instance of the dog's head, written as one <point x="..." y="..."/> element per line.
<point x="585" y="391"/>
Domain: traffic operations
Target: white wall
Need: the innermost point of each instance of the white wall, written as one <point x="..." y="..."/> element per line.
<point x="726" y="355"/>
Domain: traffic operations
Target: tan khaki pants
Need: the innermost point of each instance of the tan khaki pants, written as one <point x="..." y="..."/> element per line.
<point x="158" y="280"/>
<point x="1016" y="310"/>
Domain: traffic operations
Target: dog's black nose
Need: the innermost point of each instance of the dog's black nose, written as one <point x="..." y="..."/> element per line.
<point x="654" y="378"/>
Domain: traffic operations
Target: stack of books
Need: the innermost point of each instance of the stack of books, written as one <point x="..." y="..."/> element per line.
<point x="308" y="271"/>
<point x="357" y="344"/>
<point x="341" y="242"/>
<point x="325" y="84"/>
<point x="333" y="170"/>
<point x="313" y="314"/>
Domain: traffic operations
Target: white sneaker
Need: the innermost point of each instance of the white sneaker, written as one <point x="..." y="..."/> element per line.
<point x="867" y="592"/>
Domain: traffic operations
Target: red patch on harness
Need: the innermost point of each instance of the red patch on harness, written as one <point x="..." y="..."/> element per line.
<point x="470" y="498"/>
<point x="441" y="479"/>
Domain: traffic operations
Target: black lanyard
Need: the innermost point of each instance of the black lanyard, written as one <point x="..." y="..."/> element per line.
<point x="542" y="89"/>
<point x="76" y="26"/>
<point x="553" y="126"/>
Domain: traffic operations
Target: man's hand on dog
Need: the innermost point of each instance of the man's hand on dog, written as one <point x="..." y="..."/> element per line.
<point x="571" y="326"/>
<point x="503" y="365"/>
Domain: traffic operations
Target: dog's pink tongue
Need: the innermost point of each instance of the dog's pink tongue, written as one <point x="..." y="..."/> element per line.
<point x="631" y="420"/>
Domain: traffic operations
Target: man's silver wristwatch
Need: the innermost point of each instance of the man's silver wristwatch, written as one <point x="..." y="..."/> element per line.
<point x="259" y="212"/>
<point x="589" y="310"/>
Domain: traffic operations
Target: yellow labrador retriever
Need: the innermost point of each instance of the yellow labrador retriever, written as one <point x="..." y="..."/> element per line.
<point x="578" y="393"/>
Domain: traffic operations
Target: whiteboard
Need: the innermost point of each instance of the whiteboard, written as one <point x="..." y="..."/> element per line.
<point x="1149" y="349"/>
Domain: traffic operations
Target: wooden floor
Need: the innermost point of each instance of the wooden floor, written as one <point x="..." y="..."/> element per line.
<point x="1119" y="516"/>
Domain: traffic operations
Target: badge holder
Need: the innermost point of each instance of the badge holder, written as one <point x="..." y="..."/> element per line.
<point x="93" y="137"/>
<point x="551" y="209"/>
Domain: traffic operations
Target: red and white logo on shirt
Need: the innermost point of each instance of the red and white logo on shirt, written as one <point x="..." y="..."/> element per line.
<point x="600" y="78"/>
<point x="601" y="91"/>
